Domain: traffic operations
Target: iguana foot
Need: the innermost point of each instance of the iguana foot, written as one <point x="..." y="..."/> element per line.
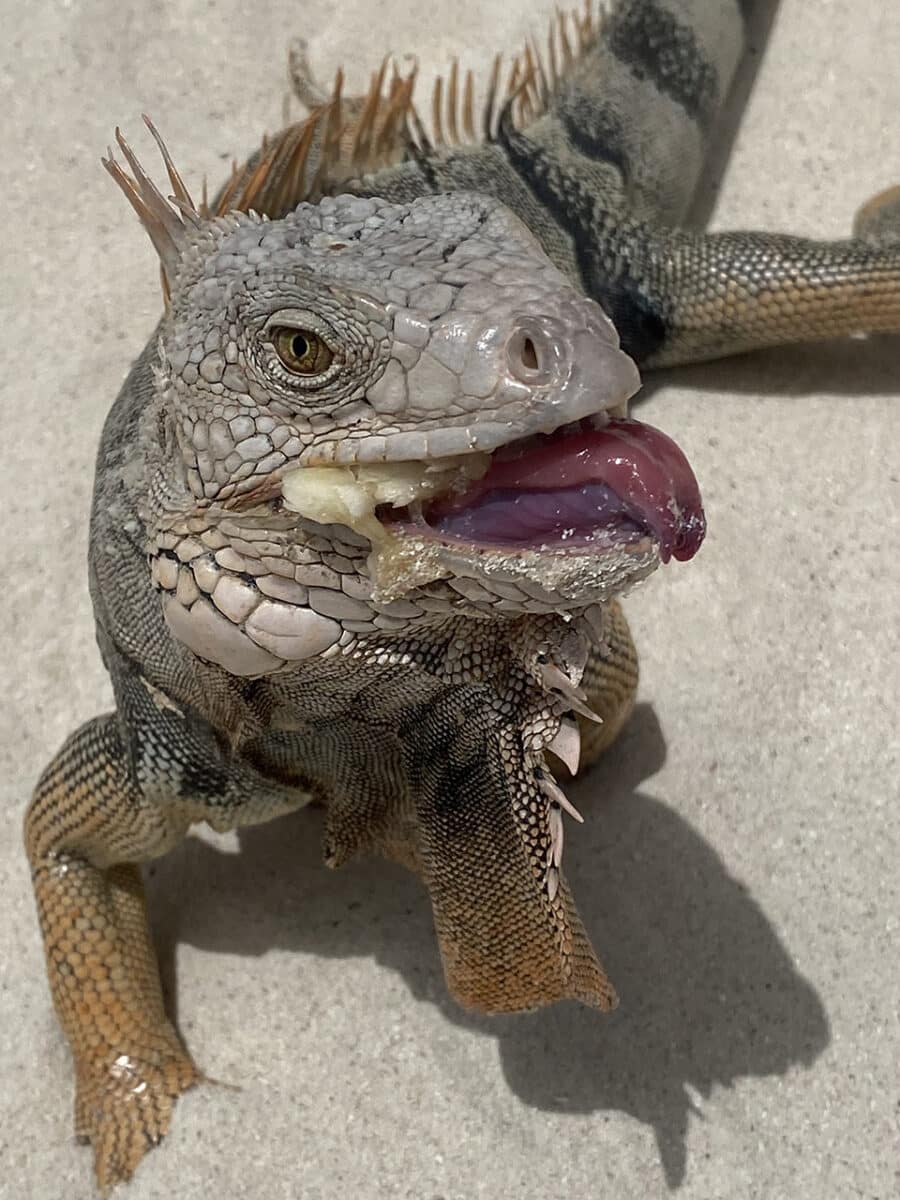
<point x="124" y="1108"/>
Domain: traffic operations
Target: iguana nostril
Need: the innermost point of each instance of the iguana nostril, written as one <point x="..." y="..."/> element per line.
<point x="532" y="355"/>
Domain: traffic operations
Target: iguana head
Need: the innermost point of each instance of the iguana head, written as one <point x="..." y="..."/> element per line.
<point x="413" y="389"/>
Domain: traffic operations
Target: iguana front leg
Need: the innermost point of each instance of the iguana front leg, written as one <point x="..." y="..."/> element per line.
<point x="510" y="936"/>
<point x="100" y="808"/>
<point x="84" y="831"/>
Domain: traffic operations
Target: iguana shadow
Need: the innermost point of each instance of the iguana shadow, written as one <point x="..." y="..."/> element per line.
<point x="708" y="992"/>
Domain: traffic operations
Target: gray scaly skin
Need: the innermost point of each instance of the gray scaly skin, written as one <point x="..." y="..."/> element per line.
<point x="256" y="660"/>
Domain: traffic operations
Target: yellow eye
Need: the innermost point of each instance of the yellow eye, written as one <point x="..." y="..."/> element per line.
<point x="302" y="351"/>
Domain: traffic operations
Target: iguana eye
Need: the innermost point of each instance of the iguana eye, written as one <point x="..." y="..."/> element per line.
<point x="302" y="351"/>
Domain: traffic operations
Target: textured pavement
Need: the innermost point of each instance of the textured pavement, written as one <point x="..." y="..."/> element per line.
<point x="740" y="869"/>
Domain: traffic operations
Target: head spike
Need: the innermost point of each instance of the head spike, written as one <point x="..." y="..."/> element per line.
<point x="513" y="85"/>
<point x="468" y="108"/>
<point x="163" y="220"/>
<point x="490" y="103"/>
<point x="366" y="125"/>
<point x="396" y="112"/>
<point x="583" y="27"/>
<point x="331" y="132"/>
<point x="296" y="171"/>
<point x="551" y="54"/>
<point x="334" y="121"/>
<point x="253" y="185"/>
<point x="568" y="57"/>
<point x="226" y="196"/>
<point x="541" y="79"/>
<point x="453" y="103"/>
<point x="178" y="186"/>
<point x="589" y="18"/>
<point x="437" y="106"/>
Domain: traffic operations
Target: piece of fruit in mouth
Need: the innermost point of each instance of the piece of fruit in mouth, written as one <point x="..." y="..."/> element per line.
<point x="582" y="488"/>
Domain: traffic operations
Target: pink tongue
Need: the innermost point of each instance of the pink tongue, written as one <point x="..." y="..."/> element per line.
<point x="643" y="466"/>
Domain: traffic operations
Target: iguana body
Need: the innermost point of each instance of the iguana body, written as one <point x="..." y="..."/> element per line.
<point x="418" y="706"/>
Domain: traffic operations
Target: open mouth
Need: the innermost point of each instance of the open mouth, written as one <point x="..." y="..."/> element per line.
<point x="585" y="488"/>
<point x="591" y="487"/>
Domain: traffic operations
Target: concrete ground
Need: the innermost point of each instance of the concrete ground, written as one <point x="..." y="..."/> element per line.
<point x="740" y="869"/>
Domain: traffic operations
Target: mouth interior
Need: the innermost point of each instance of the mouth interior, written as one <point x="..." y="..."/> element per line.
<point x="580" y="488"/>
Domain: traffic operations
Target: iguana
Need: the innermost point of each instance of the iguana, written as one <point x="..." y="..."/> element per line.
<point x="366" y="501"/>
